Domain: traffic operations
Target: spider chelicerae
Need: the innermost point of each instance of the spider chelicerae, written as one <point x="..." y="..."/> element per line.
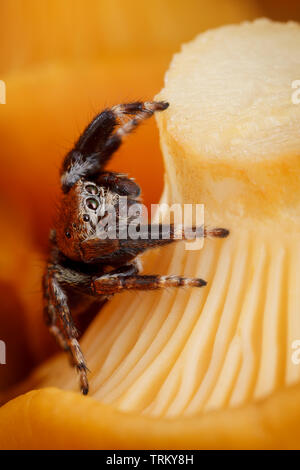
<point x="85" y="268"/>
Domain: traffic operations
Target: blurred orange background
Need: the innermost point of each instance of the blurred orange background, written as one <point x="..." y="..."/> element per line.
<point x="62" y="62"/>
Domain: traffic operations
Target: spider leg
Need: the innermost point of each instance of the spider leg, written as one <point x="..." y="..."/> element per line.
<point x="61" y="323"/>
<point x="130" y="269"/>
<point x="110" y="284"/>
<point x="141" y="111"/>
<point x="50" y="316"/>
<point x="122" y="250"/>
<point x="98" y="142"/>
<point x="119" y="183"/>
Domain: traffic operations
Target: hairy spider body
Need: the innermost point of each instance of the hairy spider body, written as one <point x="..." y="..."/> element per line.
<point x="92" y="257"/>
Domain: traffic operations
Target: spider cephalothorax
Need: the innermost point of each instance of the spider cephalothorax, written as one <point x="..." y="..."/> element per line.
<point x="92" y="257"/>
<point x="86" y="214"/>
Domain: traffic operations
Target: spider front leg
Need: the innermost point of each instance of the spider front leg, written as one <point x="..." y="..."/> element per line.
<point x="127" y="278"/>
<point x="116" y="251"/>
<point x="119" y="183"/>
<point x="110" y="284"/>
<point x="100" y="140"/>
<point x="60" y="323"/>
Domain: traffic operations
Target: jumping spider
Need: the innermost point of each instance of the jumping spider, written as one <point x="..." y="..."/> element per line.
<point x="85" y="268"/>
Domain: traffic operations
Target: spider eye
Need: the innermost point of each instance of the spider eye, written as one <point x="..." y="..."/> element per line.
<point x="68" y="235"/>
<point x="86" y="217"/>
<point x="90" y="188"/>
<point x="92" y="203"/>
